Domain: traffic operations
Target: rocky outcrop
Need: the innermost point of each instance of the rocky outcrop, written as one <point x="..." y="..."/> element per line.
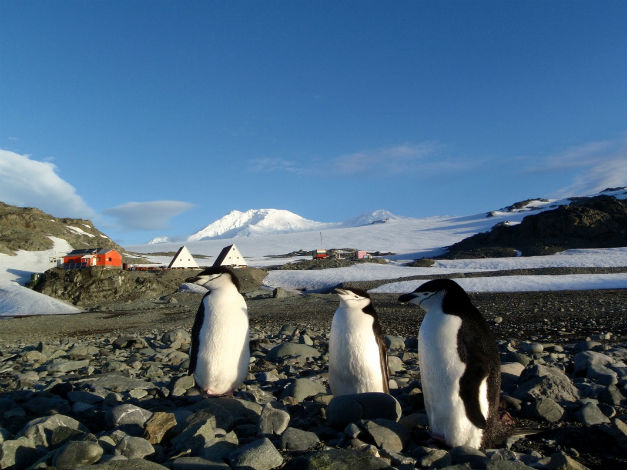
<point x="595" y="222"/>
<point x="101" y="286"/>
<point x="98" y="286"/>
<point x="30" y="229"/>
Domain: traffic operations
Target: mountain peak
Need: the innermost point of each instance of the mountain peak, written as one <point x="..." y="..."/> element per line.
<point x="255" y="222"/>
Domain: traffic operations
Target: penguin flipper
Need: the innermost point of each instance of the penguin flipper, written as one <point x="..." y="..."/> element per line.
<point x="476" y="372"/>
<point x="193" y="352"/>
<point x="469" y="385"/>
<point x="383" y="355"/>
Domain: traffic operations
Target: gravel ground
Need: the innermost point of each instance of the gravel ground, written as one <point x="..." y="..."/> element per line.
<point x="111" y="388"/>
<point x="550" y="316"/>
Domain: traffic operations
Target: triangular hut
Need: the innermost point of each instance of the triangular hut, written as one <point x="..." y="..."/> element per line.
<point x="183" y="259"/>
<point x="230" y="256"/>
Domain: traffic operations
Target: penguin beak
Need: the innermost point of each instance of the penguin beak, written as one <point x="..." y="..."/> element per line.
<point x="405" y="298"/>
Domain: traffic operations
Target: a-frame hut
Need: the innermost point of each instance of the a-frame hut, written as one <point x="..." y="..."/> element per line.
<point x="183" y="259"/>
<point x="230" y="256"/>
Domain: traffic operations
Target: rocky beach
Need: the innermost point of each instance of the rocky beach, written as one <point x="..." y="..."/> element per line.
<point x="109" y="389"/>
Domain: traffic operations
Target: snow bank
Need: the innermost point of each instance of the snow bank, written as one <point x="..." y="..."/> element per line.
<point x="521" y="283"/>
<point x="327" y="278"/>
<point x="16" y="300"/>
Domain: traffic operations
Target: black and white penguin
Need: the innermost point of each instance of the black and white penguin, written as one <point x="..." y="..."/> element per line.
<point x="219" y="353"/>
<point x="459" y="365"/>
<point x="357" y="355"/>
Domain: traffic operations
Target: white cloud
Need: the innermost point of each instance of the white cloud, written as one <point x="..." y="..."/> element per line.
<point x="597" y="165"/>
<point x="269" y="165"/>
<point x="31" y="183"/>
<point x="611" y="173"/>
<point x="390" y="160"/>
<point x="152" y="215"/>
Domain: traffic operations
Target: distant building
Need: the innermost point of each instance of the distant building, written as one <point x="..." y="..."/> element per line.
<point x="79" y="259"/>
<point x="183" y="259"/>
<point x="362" y="254"/>
<point x="230" y="256"/>
<point x="320" y="253"/>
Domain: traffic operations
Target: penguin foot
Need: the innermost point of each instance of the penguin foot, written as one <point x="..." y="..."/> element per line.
<point x="437" y="439"/>
<point x="212" y="394"/>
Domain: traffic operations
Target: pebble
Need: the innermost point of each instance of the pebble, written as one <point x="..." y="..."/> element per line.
<point x="126" y="401"/>
<point x="258" y="455"/>
<point x="345" y="409"/>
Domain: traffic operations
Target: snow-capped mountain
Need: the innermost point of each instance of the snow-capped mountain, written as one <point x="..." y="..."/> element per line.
<point x="379" y="216"/>
<point x="256" y="222"/>
<point x="157" y="240"/>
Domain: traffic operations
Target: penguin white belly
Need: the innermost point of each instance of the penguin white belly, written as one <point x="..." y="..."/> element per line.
<point x="223" y="353"/>
<point x="354" y="360"/>
<point x="440" y="371"/>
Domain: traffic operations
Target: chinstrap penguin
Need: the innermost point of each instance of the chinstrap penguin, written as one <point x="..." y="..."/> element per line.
<point x="219" y="353"/>
<point x="357" y="353"/>
<point x="459" y="365"/>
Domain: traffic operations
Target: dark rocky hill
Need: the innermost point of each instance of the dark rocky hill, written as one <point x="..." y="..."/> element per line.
<point x="588" y="222"/>
<point x="30" y="229"/>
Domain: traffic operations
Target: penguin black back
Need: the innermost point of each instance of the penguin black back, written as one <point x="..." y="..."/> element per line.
<point x="201" y="278"/>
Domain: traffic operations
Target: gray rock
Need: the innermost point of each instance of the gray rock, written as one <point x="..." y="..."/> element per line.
<point x="594" y="365"/>
<point x="285" y="350"/>
<point x="387" y="434"/>
<point x="298" y="440"/>
<point x="126" y="464"/>
<point x="128" y="341"/>
<point x="40" y="430"/>
<point x="182" y="384"/>
<point x="117" y="383"/>
<point x="63" y="366"/>
<point x="429" y="457"/>
<point x="337" y="459"/>
<point x="546" y="409"/>
<point x="127" y="414"/>
<point x="561" y="461"/>
<point x="395" y="364"/>
<point x="395" y="342"/>
<point x="179" y="335"/>
<point x="305" y="339"/>
<point x="19" y="453"/>
<point x="507" y="465"/>
<point x="134" y="447"/>
<point x="77" y="453"/>
<point x="345" y="409"/>
<point x="84" y="397"/>
<point x="198" y="463"/>
<point x="611" y="395"/>
<point x="533" y="348"/>
<point x="259" y="455"/>
<point x="303" y="388"/>
<point x="229" y="412"/>
<point x="83" y="351"/>
<point x="199" y="431"/>
<point x="538" y="381"/>
<point x="470" y="455"/>
<point x="219" y="449"/>
<point x="273" y="421"/>
<point x="590" y="414"/>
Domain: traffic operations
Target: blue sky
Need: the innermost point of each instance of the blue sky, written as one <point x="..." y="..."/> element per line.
<point x="159" y="117"/>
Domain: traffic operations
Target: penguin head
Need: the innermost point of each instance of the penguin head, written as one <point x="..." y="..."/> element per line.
<point x="354" y="298"/>
<point x="443" y="293"/>
<point x="216" y="277"/>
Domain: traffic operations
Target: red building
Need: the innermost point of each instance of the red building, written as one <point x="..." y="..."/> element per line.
<point x="79" y="259"/>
